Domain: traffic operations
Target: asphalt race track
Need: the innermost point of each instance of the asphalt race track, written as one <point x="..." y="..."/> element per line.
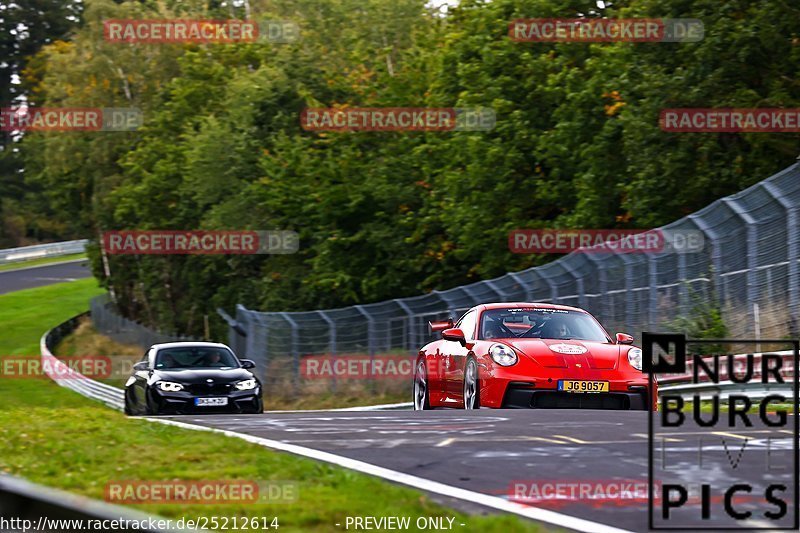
<point x="39" y="276"/>
<point x="488" y="451"/>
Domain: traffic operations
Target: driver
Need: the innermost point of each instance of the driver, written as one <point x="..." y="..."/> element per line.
<point x="213" y="359"/>
<point x="555" y="329"/>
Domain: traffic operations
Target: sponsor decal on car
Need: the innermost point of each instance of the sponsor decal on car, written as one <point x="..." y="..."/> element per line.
<point x="568" y="349"/>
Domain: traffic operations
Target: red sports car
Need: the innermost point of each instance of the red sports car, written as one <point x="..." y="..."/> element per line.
<point x="530" y="355"/>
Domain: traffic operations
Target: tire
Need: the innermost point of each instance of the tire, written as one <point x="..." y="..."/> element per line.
<point x="259" y="407"/>
<point x="421" y="394"/>
<point x="128" y="410"/>
<point x="151" y="408"/>
<point x="471" y="388"/>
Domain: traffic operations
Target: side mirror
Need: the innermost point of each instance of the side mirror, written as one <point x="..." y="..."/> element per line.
<point x="454" y="334"/>
<point x="624" y="338"/>
<point x="440" y="325"/>
<point x="247" y="363"/>
<point x="141" y="365"/>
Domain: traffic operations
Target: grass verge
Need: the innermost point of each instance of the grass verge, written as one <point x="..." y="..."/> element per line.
<point x="53" y="436"/>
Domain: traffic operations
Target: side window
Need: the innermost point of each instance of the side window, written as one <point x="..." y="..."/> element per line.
<point x="467" y="325"/>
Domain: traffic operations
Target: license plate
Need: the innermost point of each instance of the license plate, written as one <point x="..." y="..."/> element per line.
<point x="210" y="402"/>
<point x="568" y="385"/>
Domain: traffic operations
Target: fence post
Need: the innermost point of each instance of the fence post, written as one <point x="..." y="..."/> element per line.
<point x="652" y="272"/>
<point x="628" y="288"/>
<point x="294" y="350"/>
<point x="492" y="285"/>
<point x="370" y="340"/>
<point x="553" y="288"/>
<point x="331" y="343"/>
<point x="525" y="287"/>
<point x="752" y="236"/>
<point x="412" y="337"/>
<point x="578" y="282"/>
<point x="793" y="244"/>
<point x="600" y="272"/>
<point x="712" y="237"/>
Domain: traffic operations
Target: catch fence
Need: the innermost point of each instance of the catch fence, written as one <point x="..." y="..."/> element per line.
<point x="747" y="271"/>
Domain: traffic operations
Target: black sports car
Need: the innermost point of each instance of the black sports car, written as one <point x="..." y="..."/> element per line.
<point x="192" y="377"/>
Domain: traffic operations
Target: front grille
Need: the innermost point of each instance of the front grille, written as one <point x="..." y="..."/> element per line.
<point x="567" y="400"/>
<point x="201" y="389"/>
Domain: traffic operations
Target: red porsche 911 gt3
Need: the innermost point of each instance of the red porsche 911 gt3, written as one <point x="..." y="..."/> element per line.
<point x="530" y="355"/>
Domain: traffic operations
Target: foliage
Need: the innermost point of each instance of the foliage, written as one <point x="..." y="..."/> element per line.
<point x="384" y="215"/>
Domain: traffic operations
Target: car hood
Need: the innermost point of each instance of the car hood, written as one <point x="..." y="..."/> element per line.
<point x="196" y="375"/>
<point x="563" y="353"/>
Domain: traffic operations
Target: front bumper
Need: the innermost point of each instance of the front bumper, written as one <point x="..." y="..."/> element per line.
<point x="182" y="402"/>
<point x="525" y="396"/>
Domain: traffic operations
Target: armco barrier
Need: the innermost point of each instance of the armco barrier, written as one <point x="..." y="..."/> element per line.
<point x="38" y="251"/>
<point x="45" y="509"/>
<point x="63" y="376"/>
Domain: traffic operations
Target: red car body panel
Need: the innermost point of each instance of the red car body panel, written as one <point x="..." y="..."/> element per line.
<point x="537" y="370"/>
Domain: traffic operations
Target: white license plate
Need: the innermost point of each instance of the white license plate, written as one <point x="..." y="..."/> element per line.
<point x="210" y="402"/>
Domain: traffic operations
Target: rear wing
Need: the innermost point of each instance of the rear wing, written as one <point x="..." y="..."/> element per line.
<point x="441" y="325"/>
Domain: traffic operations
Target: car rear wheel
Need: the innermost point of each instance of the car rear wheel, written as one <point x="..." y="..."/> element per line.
<point x="421" y="396"/>
<point x="471" y="390"/>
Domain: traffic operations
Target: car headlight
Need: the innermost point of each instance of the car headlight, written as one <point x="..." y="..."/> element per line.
<point x="247" y="384"/>
<point x="169" y="386"/>
<point x="502" y="355"/>
<point x="635" y="358"/>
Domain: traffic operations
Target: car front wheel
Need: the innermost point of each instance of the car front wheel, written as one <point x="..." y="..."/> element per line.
<point x="471" y="390"/>
<point x="128" y="409"/>
<point x="421" y="396"/>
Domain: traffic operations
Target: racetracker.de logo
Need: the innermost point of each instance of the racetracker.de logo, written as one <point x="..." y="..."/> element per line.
<point x="199" y="31"/>
<point x="564" y="241"/>
<point x="175" y="242"/>
<point x="397" y="119"/>
<point x="357" y="367"/>
<point x="594" y="492"/>
<point x="65" y="368"/>
<point x="700" y="120"/>
<point x="583" y="30"/>
<point x="70" y="119"/>
<point x="201" y="492"/>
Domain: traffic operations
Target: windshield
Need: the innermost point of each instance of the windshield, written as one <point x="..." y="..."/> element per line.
<point x="534" y="323"/>
<point x="195" y="357"/>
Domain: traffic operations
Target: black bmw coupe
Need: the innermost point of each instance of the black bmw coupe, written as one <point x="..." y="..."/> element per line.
<point x="191" y="378"/>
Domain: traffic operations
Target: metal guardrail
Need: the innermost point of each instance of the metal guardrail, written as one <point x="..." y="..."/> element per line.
<point x="25" y="506"/>
<point x="66" y="377"/>
<point x="38" y="251"/>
